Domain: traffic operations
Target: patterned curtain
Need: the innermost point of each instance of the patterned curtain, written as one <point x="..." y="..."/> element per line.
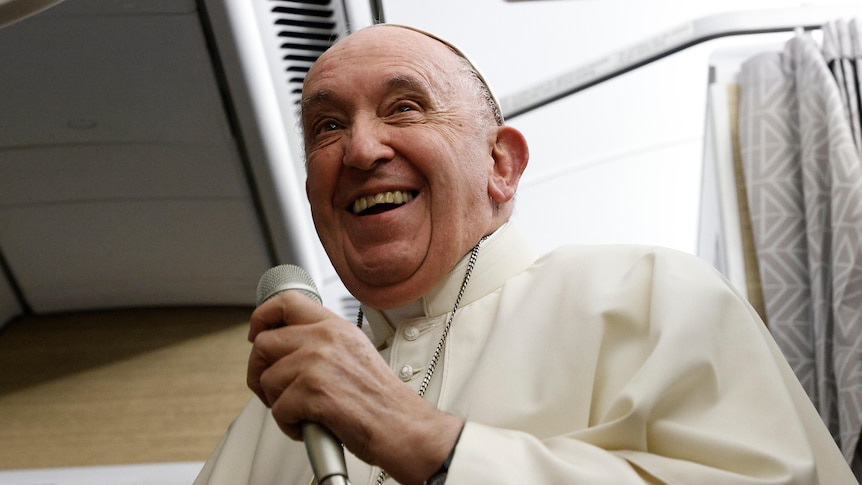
<point x="799" y="134"/>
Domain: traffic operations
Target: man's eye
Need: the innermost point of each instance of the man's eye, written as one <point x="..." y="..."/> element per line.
<point x="328" y="126"/>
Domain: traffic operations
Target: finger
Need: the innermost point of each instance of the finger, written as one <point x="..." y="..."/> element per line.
<point x="293" y="389"/>
<point x="283" y="415"/>
<point x="278" y="350"/>
<point x="296" y="400"/>
<point x="285" y="308"/>
<point x="277" y="379"/>
<point x="258" y="361"/>
<point x="267" y="349"/>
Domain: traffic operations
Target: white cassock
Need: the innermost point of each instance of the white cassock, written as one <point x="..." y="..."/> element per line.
<point x="591" y="365"/>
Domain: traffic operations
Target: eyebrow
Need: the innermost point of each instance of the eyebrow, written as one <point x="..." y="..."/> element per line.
<point x="407" y="83"/>
<point x="318" y="98"/>
<point x="394" y="83"/>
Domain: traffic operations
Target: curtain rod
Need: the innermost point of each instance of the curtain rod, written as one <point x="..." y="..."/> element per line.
<point x="669" y="42"/>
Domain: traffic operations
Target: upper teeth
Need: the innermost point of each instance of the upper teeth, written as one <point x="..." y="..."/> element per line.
<point x="396" y="197"/>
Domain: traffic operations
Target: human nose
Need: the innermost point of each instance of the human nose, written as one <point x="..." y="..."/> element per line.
<point x="367" y="145"/>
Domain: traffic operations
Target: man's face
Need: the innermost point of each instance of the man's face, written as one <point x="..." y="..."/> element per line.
<point x="399" y="159"/>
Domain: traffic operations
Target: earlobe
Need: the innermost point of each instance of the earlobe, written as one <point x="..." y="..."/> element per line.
<point x="510" y="154"/>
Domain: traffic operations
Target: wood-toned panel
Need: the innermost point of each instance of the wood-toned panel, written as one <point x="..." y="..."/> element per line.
<point x="132" y="386"/>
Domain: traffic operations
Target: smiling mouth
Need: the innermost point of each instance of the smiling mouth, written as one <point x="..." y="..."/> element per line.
<point x="382" y="202"/>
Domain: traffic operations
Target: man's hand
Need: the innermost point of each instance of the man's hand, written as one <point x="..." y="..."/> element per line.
<point x="309" y="364"/>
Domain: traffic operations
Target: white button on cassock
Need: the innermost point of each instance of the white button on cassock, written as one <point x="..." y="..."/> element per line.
<point x="406" y="373"/>
<point x="411" y="333"/>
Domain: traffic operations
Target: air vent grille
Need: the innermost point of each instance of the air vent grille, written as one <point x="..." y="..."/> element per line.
<point x="305" y="30"/>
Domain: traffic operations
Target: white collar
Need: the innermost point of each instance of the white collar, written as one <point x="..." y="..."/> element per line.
<point x="504" y="254"/>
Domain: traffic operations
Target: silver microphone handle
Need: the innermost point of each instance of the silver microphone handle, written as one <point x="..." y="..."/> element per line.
<point x="325" y="454"/>
<point x="324" y="450"/>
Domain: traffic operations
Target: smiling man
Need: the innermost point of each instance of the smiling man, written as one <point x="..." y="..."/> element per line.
<point x="409" y="124"/>
<point x="594" y="365"/>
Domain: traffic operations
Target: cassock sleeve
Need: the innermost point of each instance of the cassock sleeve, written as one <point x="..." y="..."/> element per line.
<point x="689" y="388"/>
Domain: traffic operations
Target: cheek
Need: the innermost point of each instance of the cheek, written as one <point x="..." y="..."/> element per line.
<point x="319" y="191"/>
<point x="314" y="191"/>
<point x="472" y="178"/>
<point x="321" y="176"/>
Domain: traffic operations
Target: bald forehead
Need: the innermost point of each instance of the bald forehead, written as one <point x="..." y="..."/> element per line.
<point x="436" y="60"/>
<point x="416" y="60"/>
<point x="409" y="42"/>
<point x="386" y="31"/>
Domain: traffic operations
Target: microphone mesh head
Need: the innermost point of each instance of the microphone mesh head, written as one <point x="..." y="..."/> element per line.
<point x="286" y="277"/>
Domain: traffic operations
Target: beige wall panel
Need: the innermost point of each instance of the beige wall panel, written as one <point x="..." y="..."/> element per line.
<point x="120" y="387"/>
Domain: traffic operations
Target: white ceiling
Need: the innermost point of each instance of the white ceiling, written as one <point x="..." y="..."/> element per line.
<point x="123" y="183"/>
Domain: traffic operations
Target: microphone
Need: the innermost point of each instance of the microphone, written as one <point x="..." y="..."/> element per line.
<point x="324" y="450"/>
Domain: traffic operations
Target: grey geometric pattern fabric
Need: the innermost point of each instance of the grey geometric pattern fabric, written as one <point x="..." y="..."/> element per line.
<point x="799" y="141"/>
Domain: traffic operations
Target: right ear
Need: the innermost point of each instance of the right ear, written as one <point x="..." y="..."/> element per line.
<point x="510" y="154"/>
